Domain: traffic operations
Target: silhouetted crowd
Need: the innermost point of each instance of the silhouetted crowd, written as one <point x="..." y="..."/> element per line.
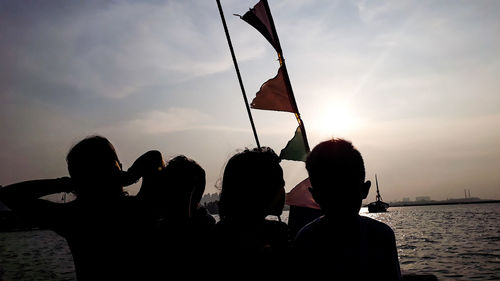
<point x="165" y="233"/>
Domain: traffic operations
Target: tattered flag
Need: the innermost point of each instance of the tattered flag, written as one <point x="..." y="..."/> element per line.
<point x="300" y="196"/>
<point x="260" y="20"/>
<point x="273" y="95"/>
<point x="295" y="149"/>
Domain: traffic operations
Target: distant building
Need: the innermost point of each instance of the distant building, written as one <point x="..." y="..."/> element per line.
<point x="406" y="199"/>
<point x="423" y="198"/>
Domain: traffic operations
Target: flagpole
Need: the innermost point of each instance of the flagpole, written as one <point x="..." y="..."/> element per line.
<point x="238" y="72"/>
<point x="294" y="104"/>
<point x="285" y="76"/>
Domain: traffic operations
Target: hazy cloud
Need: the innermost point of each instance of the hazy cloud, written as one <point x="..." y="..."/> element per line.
<point x="111" y="49"/>
<point x="413" y="84"/>
<point x="161" y="122"/>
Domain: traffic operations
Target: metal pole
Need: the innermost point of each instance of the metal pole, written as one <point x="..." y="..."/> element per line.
<point x="238" y="72"/>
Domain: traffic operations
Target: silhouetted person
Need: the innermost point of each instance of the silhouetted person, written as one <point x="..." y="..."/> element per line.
<point x="252" y="189"/>
<point x="342" y="244"/>
<point x="173" y="191"/>
<point x="189" y="178"/>
<point x="100" y="225"/>
<point x="172" y="194"/>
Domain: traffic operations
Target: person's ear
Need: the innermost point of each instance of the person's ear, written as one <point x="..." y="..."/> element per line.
<point x="365" y="188"/>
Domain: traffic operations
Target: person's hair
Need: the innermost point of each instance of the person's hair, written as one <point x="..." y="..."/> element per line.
<point x="252" y="185"/>
<point x="94" y="160"/>
<point x="186" y="173"/>
<point x="335" y="159"/>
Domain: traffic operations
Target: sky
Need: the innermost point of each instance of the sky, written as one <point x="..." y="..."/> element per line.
<point x="414" y="85"/>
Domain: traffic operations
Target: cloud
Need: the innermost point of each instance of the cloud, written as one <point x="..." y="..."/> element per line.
<point x="112" y="49"/>
<point x="161" y="122"/>
<point x="413" y="72"/>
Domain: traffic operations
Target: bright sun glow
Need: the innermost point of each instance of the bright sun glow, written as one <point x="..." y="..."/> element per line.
<point x="334" y="120"/>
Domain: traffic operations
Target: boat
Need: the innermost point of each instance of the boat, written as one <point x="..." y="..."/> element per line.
<point x="378" y="206"/>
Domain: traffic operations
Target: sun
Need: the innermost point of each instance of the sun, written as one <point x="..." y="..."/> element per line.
<point x="335" y="119"/>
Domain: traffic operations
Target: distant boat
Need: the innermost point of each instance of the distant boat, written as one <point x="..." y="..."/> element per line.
<point x="378" y="206"/>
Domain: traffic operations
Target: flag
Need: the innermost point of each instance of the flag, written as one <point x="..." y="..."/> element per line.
<point x="273" y="95"/>
<point x="303" y="208"/>
<point x="276" y="93"/>
<point x="295" y="149"/>
<point x="300" y="196"/>
<point x="260" y="20"/>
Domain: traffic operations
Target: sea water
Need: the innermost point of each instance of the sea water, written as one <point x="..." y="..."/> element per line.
<point x="35" y="255"/>
<point x="453" y="242"/>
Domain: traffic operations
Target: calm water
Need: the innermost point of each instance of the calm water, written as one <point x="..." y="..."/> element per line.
<point x="454" y="242"/>
<point x="35" y="255"/>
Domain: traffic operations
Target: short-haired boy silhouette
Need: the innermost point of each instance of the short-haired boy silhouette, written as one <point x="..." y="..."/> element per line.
<point x="341" y="243"/>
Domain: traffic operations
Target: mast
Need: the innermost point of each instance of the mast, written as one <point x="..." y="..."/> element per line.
<point x="235" y="62"/>
<point x="379" y="198"/>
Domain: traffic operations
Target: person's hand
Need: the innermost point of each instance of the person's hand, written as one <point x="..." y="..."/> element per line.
<point x="147" y="164"/>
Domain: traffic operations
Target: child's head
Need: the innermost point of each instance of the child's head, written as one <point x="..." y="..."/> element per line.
<point x="176" y="189"/>
<point x="93" y="163"/>
<point x="187" y="176"/>
<point x="337" y="174"/>
<point x="252" y="185"/>
<point x="186" y="171"/>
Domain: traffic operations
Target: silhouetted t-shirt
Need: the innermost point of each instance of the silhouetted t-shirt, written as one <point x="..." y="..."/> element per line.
<point x="361" y="249"/>
<point x="252" y="249"/>
<point x="106" y="240"/>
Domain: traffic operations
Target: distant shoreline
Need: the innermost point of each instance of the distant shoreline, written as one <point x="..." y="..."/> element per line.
<point x="430" y="203"/>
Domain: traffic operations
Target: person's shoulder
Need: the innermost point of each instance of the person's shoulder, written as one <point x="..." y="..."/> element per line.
<point x="130" y="204"/>
<point x="220" y="224"/>
<point x="201" y="215"/>
<point x="317" y="225"/>
<point x="275" y="224"/>
<point x="222" y="229"/>
<point x="375" y="226"/>
<point x="277" y="227"/>
<point x="129" y="200"/>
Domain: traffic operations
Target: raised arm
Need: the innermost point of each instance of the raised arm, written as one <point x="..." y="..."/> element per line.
<point x="148" y="163"/>
<point x="22" y="194"/>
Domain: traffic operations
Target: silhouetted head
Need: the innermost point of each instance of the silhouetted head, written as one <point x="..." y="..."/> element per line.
<point x="95" y="169"/>
<point x="186" y="178"/>
<point x="252" y="185"/>
<point x="337" y="174"/>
